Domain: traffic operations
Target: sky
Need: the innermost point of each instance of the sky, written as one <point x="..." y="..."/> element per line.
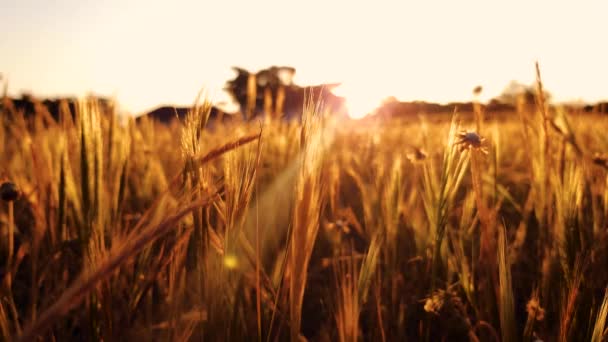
<point x="148" y="53"/>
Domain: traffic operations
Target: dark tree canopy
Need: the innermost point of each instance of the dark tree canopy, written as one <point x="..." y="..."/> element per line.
<point x="274" y="88"/>
<point x="515" y="92"/>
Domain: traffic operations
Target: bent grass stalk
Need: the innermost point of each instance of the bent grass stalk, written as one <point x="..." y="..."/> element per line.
<point x="75" y="294"/>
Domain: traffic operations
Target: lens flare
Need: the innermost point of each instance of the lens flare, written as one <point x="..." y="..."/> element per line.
<point x="360" y="101"/>
<point x="231" y="262"/>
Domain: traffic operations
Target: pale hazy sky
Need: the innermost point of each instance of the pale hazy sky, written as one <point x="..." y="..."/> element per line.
<point x="146" y="53"/>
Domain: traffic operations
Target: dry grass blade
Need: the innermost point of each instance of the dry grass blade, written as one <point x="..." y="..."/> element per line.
<point x="4" y="324"/>
<point x="217" y="152"/>
<point x="570" y="302"/>
<point x="600" y="321"/>
<point x="368" y="268"/>
<point x="439" y="190"/>
<point x="73" y="295"/>
<point x="506" y="307"/>
<point x="347" y="310"/>
<point x="307" y="207"/>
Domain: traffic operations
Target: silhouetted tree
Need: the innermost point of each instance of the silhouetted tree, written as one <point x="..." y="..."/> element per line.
<point x="517" y="93"/>
<point x="275" y="93"/>
<point x="266" y="81"/>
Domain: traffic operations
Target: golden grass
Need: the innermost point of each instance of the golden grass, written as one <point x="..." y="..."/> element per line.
<point x="318" y="230"/>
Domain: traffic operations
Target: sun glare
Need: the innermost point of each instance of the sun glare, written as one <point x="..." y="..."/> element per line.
<point x="359" y="100"/>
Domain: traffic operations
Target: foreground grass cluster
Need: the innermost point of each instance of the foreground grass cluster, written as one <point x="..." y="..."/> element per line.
<point x="321" y="229"/>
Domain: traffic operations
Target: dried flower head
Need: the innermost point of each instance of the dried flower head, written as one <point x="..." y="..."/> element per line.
<point x="339" y="225"/>
<point x="418" y="155"/>
<point x="434" y="304"/>
<point x="535" y="310"/>
<point x="471" y="140"/>
<point x="477" y="90"/>
<point x="9" y="191"/>
<point x="446" y="303"/>
<point x="345" y="223"/>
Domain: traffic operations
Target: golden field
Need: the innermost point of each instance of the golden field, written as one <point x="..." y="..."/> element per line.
<point x="426" y="229"/>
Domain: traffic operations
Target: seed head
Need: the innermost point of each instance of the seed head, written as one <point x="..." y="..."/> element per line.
<point x="444" y="302"/>
<point x="471" y="140"/>
<point x="477" y="90"/>
<point x="535" y="310"/>
<point x="434" y="304"/>
<point x="9" y="191"/>
<point x="418" y="155"/>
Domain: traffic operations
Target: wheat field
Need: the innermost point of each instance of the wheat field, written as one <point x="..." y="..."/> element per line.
<point x="464" y="227"/>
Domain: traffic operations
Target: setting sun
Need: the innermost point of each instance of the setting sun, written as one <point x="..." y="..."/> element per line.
<point x="359" y="101"/>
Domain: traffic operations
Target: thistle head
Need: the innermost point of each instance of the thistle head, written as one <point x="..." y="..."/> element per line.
<point x="9" y="191"/>
<point x="471" y="141"/>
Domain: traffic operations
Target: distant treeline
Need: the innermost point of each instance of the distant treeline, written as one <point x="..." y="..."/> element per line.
<point x="271" y="92"/>
<point x="54" y="108"/>
<point x="398" y="108"/>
